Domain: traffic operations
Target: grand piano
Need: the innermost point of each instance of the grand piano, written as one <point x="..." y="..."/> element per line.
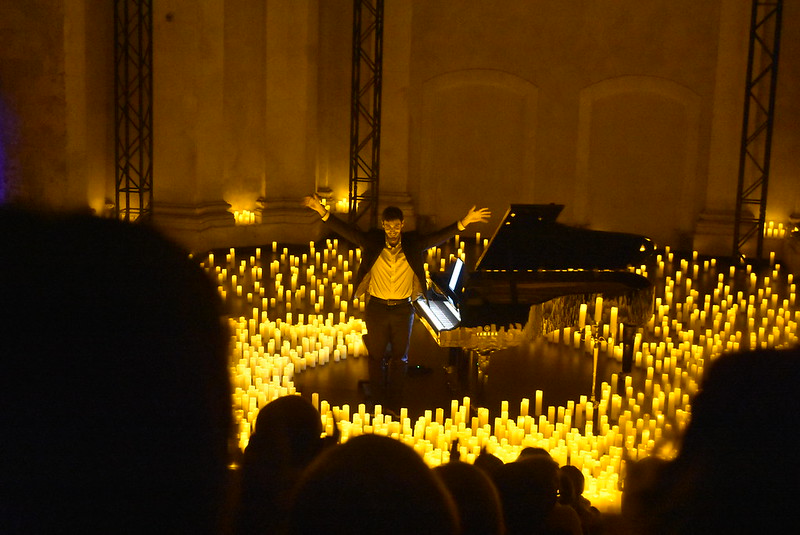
<point x="533" y="277"/>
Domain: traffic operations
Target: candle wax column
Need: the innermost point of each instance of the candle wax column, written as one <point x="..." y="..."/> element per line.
<point x="582" y="317"/>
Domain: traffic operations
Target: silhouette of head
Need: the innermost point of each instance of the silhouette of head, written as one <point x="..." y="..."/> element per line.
<point x="746" y="402"/>
<point x="291" y="423"/>
<point x="487" y="462"/>
<point x="371" y="484"/>
<point x="528" y="491"/>
<point x="286" y="440"/>
<point x="531" y="451"/>
<point x="729" y="475"/>
<point x="571" y="478"/>
<point x="114" y="396"/>
<point x="476" y="497"/>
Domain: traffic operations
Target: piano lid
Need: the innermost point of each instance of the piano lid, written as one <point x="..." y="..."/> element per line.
<point x="529" y="238"/>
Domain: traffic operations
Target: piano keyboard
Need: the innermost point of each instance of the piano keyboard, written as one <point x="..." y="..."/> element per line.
<point x="443" y="314"/>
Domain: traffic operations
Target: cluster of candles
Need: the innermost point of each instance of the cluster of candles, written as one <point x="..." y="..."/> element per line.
<point x="771" y="230"/>
<point x="342" y="205"/>
<point x="244" y="217"/>
<point x="297" y="311"/>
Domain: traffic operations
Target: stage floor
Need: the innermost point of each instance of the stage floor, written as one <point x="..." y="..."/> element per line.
<point x="694" y="319"/>
<point x="561" y="372"/>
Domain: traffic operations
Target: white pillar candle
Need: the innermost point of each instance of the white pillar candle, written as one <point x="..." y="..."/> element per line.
<point x="598" y="310"/>
<point x="538" y="403"/>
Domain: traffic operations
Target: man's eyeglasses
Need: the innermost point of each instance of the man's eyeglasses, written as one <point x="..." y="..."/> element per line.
<point x="393" y="226"/>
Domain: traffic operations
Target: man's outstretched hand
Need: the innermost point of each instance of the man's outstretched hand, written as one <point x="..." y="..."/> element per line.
<point x="481" y="215"/>
<point x="314" y="202"/>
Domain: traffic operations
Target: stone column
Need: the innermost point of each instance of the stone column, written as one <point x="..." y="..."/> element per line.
<point x="292" y="50"/>
<point x="714" y="230"/>
<point x="55" y="115"/>
<point x="188" y="126"/>
<point x="395" y="111"/>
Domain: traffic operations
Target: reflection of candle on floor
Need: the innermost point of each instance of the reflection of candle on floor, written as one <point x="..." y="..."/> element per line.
<point x="613" y="321"/>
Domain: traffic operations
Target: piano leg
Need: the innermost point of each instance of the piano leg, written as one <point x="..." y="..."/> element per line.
<point x="484" y="359"/>
<point x="628" y="335"/>
<point x="456" y="371"/>
<point x="459" y="372"/>
<point x="469" y="373"/>
<point x="479" y="360"/>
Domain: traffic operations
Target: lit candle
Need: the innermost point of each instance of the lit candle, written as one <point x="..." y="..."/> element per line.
<point x="538" y="403"/>
<point x="598" y="310"/>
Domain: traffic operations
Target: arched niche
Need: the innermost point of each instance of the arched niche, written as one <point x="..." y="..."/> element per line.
<point x="637" y="157"/>
<point x="476" y="142"/>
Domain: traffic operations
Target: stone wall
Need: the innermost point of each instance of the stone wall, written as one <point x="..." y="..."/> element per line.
<point x="626" y="112"/>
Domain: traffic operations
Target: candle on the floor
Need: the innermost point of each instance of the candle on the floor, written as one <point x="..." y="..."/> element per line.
<point x="598" y="310"/>
<point x="690" y="330"/>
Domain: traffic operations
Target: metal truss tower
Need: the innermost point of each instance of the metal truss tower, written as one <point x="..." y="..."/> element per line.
<point x="759" y="112"/>
<point x="133" y="108"/>
<point x="365" y="109"/>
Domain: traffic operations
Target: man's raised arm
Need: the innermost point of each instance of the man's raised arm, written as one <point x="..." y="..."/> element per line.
<point x="480" y="215"/>
<point x="313" y="202"/>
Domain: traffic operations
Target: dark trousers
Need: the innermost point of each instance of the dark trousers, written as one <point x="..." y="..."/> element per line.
<point x="387" y="341"/>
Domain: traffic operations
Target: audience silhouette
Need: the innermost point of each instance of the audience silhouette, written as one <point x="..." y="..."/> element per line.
<point x="371" y="484"/>
<point x="735" y="471"/>
<point x="287" y="438"/>
<point x="487" y="462"/>
<point x="571" y="487"/>
<point x="531" y="451"/>
<point x="476" y="498"/>
<point x="528" y="490"/>
<point x="115" y="411"/>
<point x="115" y="416"/>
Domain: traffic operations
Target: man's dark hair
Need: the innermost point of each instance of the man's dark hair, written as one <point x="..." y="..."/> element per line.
<point x="392" y="213"/>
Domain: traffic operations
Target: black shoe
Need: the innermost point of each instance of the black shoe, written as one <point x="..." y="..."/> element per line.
<point x="418" y="371"/>
<point x="365" y="389"/>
